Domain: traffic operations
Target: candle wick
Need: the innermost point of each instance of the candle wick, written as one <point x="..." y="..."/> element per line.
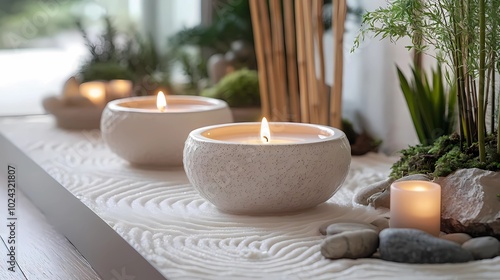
<point x="265" y="137"/>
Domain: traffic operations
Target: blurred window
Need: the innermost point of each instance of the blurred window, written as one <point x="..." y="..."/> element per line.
<point x="40" y="46"/>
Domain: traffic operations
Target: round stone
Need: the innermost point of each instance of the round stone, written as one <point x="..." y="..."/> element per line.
<point x="350" y="244"/>
<point x="381" y="223"/>
<point x="485" y="247"/>
<point x="458" y="238"/>
<point x="416" y="246"/>
<point x="343" y="227"/>
<point x="361" y="197"/>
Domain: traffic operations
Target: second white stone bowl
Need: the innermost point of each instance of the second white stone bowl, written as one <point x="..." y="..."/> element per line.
<point x="134" y="129"/>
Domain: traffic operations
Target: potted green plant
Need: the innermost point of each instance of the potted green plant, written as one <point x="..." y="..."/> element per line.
<point x="465" y="36"/>
<point x="240" y="89"/>
<point x="137" y="59"/>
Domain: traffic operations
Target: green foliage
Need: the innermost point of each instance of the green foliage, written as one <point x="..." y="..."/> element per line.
<point x="239" y="89"/>
<point x="443" y="157"/>
<point x="104" y="71"/>
<point x="431" y="106"/>
<point x="193" y="66"/>
<point x="464" y="34"/>
<point x="137" y="60"/>
<point x="349" y="131"/>
<point x="232" y="22"/>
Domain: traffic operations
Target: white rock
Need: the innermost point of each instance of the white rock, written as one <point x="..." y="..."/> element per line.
<point x="350" y="244"/>
<point x="485" y="247"/>
<point x="337" y="228"/>
<point x="458" y="238"/>
<point x="381" y="223"/>
<point x="470" y="203"/>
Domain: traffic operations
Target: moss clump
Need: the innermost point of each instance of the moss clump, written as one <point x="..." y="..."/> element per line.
<point x="105" y="71"/>
<point x="444" y="157"/>
<point x="239" y="89"/>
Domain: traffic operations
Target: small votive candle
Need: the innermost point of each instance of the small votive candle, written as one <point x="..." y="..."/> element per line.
<point x="95" y="91"/>
<point x="416" y="204"/>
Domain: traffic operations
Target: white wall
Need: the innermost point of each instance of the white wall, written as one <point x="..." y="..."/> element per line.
<point x="372" y="99"/>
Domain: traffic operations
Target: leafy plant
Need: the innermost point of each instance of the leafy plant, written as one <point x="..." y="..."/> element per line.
<point x="137" y="59"/>
<point x="232" y="22"/>
<point x="239" y="89"/>
<point x="431" y="105"/>
<point x="465" y="35"/>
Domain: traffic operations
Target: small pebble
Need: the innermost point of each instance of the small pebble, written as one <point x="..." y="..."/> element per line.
<point x="416" y="246"/>
<point x="381" y="223"/>
<point x="350" y="244"/>
<point x="485" y="247"/>
<point x="337" y="228"/>
<point x="458" y="238"/>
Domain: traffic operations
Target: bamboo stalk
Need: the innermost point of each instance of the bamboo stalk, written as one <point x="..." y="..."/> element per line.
<point x="312" y="82"/>
<point x="487" y="88"/>
<point x="461" y="84"/>
<point x="279" y="61"/>
<point x="261" y="60"/>
<point x="339" y="13"/>
<point x="271" y="74"/>
<point x="291" y="63"/>
<point x="493" y="92"/>
<point x="301" y="63"/>
<point x="322" y="91"/>
<point x="482" y="60"/>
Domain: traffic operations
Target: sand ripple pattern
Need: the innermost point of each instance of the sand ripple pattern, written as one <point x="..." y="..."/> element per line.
<point x="162" y="216"/>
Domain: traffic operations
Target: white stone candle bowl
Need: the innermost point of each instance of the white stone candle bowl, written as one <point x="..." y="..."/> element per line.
<point x="137" y="131"/>
<point x="300" y="167"/>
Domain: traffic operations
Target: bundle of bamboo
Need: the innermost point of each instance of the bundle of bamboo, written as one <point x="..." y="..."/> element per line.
<point x="288" y="39"/>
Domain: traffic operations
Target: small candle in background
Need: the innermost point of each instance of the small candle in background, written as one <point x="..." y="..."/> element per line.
<point x="95" y="91"/>
<point x="118" y="89"/>
<point x="416" y="204"/>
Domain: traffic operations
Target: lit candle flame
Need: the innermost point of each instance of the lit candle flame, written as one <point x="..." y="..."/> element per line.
<point x="265" y="133"/>
<point x="161" y="101"/>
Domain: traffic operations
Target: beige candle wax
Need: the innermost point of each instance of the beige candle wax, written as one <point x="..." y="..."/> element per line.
<point x="416" y="204"/>
<point x="95" y="91"/>
<point x="119" y="89"/>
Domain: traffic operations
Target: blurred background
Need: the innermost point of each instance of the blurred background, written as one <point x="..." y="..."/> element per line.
<point x="172" y="44"/>
<point x="41" y="46"/>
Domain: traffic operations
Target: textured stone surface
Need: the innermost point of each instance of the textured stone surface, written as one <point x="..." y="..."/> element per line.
<point x="381" y="223"/>
<point x="343" y="227"/>
<point x="458" y="238"/>
<point x="378" y="194"/>
<point x="381" y="199"/>
<point x="350" y="244"/>
<point x="485" y="247"/>
<point x="254" y="179"/>
<point x="416" y="246"/>
<point x="361" y="197"/>
<point x="470" y="203"/>
<point x="322" y="228"/>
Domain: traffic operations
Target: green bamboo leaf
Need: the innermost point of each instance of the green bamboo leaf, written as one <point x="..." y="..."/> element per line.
<point x="414" y="113"/>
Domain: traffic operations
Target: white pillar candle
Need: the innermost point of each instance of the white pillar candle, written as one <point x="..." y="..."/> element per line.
<point x="95" y="91"/>
<point x="416" y="204"/>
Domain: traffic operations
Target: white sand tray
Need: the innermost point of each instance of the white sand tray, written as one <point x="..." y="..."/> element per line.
<point x="185" y="237"/>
